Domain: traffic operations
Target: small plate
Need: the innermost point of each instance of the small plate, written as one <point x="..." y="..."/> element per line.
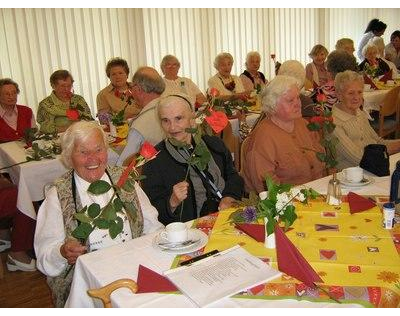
<point x="193" y="234"/>
<point x="365" y="181"/>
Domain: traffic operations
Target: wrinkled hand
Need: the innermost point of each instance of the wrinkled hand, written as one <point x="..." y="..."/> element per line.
<point x="226" y="202"/>
<point x="179" y="193"/>
<point x="71" y="250"/>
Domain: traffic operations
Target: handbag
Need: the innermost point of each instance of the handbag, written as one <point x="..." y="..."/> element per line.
<point x="376" y="160"/>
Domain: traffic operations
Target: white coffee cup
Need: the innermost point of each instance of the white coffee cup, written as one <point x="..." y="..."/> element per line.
<point x="367" y="87"/>
<point x="354" y="174"/>
<point x="390" y="82"/>
<point x="175" y="232"/>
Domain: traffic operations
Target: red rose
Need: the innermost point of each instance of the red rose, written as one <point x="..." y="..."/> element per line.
<point x="317" y="119"/>
<point x="214" y="92"/>
<point x="73" y="114"/>
<point x="321" y="98"/>
<point x="148" y="151"/>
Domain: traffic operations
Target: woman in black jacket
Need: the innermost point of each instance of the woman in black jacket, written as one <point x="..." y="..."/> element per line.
<point x="203" y="192"/>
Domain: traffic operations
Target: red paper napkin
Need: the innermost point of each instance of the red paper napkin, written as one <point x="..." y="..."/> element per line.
<point x="149" y="281"/>
<point x="256" y="231"/>
<point x="387" y="76"/>
<point x="358" y="203"/>
<point x="368" y="80"/>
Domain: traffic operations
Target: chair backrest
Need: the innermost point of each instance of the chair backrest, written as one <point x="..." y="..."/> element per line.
<point x="390" y="105"/>
<point x="104" y="292"/>
<point x="243" y="151"/>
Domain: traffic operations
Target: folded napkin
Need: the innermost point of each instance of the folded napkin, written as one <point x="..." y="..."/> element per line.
<point x="358" y="203"/>
<point x="256" y="231"/>
<point x="387" y="76"/>
<point x="149" y="281"/>
<point x="368" y="80"/>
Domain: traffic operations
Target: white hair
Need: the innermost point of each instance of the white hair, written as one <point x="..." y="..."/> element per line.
<point x="379" y="44"/>
<point x="252" y="54"/>
<point x="295" y="69"/>
<point x="221" y="56"/>
<point x="174" y="99"/>
<point x="273" y="90"/>
<point x="79" y="131"/>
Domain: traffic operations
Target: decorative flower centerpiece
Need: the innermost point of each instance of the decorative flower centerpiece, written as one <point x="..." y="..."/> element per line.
<point x="323" y="123"/>
<point x="277" y="207"/>
<point x="119" y="117"/>
<point x="372" y="71"/>
<point x="76" y="112"/>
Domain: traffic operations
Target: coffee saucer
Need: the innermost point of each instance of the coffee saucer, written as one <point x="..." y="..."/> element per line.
<point x="365" y="181"/>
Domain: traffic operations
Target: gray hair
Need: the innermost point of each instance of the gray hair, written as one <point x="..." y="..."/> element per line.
<point x="342" y="79"/>
<point x="7" y="81"/>
<point x="79" y="131"/>
<point x="171" y="100"/>
<point x="168" y="58"/>
<point x="252" y="54"/>
<point x="221" y="56"/>
<point x="295" y="69"/>
<point x="379" y="44"/>
<point x="275" y="88"/>
<point x="339" y="61"/>
<point x="342" y="42"/>
<point x="149" y="80"/>
<point x="368" y="48"/>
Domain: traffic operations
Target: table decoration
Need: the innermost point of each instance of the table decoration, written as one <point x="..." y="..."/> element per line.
<point x="149" y="281"/>
<point x="358" y="203"/>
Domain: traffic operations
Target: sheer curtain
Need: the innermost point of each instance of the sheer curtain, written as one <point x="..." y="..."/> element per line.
<point x="35" y="42"/>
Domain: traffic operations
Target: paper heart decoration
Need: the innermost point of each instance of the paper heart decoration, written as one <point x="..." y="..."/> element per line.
<point x="328" y="254"/>
<point x="217" y="120"/>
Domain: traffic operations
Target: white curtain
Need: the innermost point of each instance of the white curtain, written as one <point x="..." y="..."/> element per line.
<point x="36" y="42"/>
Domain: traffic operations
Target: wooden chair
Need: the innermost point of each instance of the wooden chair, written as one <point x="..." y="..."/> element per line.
<point x="232" y="142"/>
<point x="389" y="114"/>
<point x="104" y="292"/>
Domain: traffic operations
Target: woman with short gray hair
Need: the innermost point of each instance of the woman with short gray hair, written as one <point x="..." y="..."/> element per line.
<point x="281" y="146"/>
<point x="85" y="152"/>
<point x="253" y="79"/>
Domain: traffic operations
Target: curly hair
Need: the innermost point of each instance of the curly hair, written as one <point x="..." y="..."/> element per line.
<point x="114" y="62"/>
<point x="7" y="81"/>
<point x="339" y="61"/>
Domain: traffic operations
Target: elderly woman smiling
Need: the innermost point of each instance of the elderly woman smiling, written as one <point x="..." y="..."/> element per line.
<point x="84" y="150"/>
<point x="202" y="192"/>
<point x="281" y="146"/>
<point x="352" y="126"/>
<point x="253" y="79"/>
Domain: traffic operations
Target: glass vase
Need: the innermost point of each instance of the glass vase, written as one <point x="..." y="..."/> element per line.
<point x="269" y="241"/>
<point x="334" y="191"/>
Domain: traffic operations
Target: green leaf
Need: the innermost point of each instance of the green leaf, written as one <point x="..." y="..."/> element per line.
<point x="116" y="227"/>
<point x="94" y="210"/>
<point x="270" y="225"/>
<point x="82" y="217"/>
<point x="321" y="156"/>
<point x="109" y="212"/>
<point x="83" y="210"/>
<point x="129" y="185"/>
<point x="101" y="223"/>
<point x="99" y="187"/>
<point x="82" y="231"/>
<point x="191" y="130"/>
<point x="290" y="215"/>
<point x="130" y="209"/>
<point x="118" y="205"/>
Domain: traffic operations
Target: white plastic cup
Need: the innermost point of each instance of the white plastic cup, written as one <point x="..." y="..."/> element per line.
<point x="388" y="215"/>
<point x="175" y="232"/>
<point x="354" y="174"/>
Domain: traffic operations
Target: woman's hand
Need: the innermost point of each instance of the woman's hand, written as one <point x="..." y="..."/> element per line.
<point x="179" y="193"/>
<point x="71" y="250"/>
<point x="226" y="202"/>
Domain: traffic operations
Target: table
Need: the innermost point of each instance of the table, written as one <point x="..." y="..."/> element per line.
<point x="30" y="177"/>
<point x="374" y="98"/>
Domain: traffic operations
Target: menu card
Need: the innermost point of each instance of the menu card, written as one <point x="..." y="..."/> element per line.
<point x="221" y="275"/>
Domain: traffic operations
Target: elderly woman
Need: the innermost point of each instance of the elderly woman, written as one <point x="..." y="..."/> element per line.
<point x="62" y="107"/>
<point x="346" y="44"/>
<point x="181" y="192"/>
<point x="375" y="27"/>
<point x="373" y="62"/>
<point x="282" y="146"/>
<point x="117" y="95"/>
<point x="352" y="126"/>
<point x="316" y="72"/>
<point x="380" y="45"/>
<point x="84" y="150"/>
<point x="392" y="50"/>
<point x="14" y="118"/>
<point x="229" y="86"/>
<point x="253" y="79"/>
<point x="174" y="84"/>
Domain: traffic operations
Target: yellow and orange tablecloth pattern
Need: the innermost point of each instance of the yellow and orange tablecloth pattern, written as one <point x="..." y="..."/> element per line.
<point x="356" y="257"/>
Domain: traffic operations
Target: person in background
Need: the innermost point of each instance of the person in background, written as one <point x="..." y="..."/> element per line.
<point x="148" y="86"/>
<point x="174" y="84"/>
<point x="14" y="118"/>
<point x="352" y="126"/>
<point x="179" y="193"/>
<point x="253" y="79"/>
<point x="375" y="27"/>
<point x="84" y="151"/>
<point x="282" y="146"/>
<point x="20" y="237"/>
<point x="316" y="72"/>
<point x="392" y="50"/>
<point x="346" y="44"/>
<point x="62" y="107"/>
<point x="380" y="45"/>
<point x="114" y="98"/>
<point x="373" y="61"/>
<point x="229" y="86"/>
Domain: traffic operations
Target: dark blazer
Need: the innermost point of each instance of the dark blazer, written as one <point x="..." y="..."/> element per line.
<point x="383" y="67"/>
<point x="163" y="172"/>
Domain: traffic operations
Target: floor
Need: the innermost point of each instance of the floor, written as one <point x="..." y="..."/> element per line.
<point x="23" y="289"/>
